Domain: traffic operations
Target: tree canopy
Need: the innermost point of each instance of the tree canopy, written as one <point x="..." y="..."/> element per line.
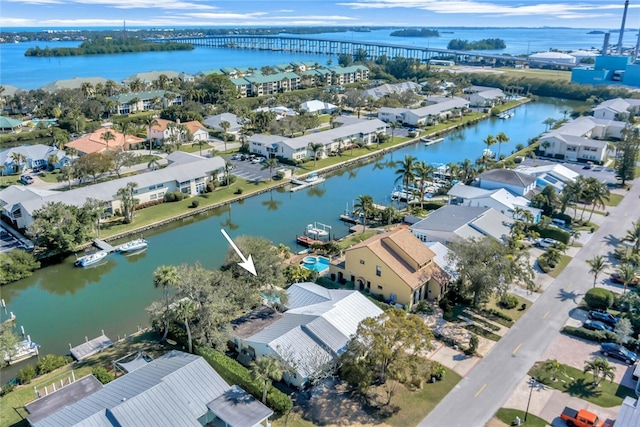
<point x="60" y="228"/>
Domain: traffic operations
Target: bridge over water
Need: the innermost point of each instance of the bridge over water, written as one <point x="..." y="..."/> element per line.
<point x="337" y="47"/>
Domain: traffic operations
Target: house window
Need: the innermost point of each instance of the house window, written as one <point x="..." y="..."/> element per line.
<point x="362" y="261"/>
<point x="153" y="197"/>
<point x="380" y="287"/>
<point x="378" y="271"/>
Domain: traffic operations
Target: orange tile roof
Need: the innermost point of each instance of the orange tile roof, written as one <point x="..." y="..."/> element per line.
<point x="93" y="142"/>
<point x="193" y="125"/>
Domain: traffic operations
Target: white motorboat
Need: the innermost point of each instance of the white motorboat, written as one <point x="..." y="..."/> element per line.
<point x="91" y="259"/>
<point x="23" y="350"/>
<point x="316" y="232"/>
<point x="133" y="246"/>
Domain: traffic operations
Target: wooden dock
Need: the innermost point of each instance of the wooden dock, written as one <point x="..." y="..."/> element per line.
<point x="90" y="347"/>
<point x="306" y="241"/>
<point x="103" y="246"/>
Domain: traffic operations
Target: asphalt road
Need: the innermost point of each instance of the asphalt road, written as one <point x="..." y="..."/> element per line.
<point x="483" y="391"/>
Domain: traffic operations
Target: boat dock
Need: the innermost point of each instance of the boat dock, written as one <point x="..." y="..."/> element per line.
<point x="312" y="180"/>
<point x="431" y="141"/>
<point x="306" y="241"/>
<point x="90" y="347"/>
<point x="103" y="246"/>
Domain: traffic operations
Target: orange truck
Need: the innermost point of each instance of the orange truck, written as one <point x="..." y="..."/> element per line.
<point x="582" y="418"/>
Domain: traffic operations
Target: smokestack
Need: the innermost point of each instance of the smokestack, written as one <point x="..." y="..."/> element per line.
<point x="624" y="18"/>
<point x="605" y="45"/>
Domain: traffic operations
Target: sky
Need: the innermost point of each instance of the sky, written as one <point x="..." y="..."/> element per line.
<point x="43" y="14"/>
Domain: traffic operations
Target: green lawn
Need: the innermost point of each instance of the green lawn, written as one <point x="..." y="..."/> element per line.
<point x="578" y="384"/>
<point x="355" y="238"/>
<point x="614" y="199"/>
<point x="530" y="73"/>
<point x="514" y="313"/>
<point x="9" y="180"/>
<point x="508" y="416"/>
<point x="564" y="261"/>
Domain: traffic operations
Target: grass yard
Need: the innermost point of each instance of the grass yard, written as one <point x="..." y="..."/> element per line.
<point x="529" y="73"/>
<point x="514" y="313"/>
<point x="579" y="384"/>
<point x="564" y="261"/>
<point x="355" y="238"/>
<point x="9" y="180"/>
<point x="614" y="199"/>
<point x="508" y="416"/>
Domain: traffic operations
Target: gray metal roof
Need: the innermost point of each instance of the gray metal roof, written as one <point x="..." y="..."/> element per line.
<point x="31" y="152"/>
<point x="629" y="415"/>
<point x="237" y="408"/>
<point x="174" y="385"/>
<point x="328" y="334"/>
<point x="449" y="218"/>
<point x="302" y="352"/>
<point x="507" y="176"/>
<point x="280" y="327"/>
<point x="303" y="294"/>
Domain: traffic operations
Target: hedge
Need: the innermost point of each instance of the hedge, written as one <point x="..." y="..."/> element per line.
<point x="599" y="298"/>
<point x="234" y="373"/>
<point x="598" y="336"/>
<point x="553" y="233"/>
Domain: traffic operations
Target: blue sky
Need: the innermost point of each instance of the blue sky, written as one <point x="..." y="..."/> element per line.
<point x="242" y="13"/>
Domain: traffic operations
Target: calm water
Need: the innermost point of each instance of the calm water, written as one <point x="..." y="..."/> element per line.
<point x="62" y="304"/>
<point x="41" y="71"/>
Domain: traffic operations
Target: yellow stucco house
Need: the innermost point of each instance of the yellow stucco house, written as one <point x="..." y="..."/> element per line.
<point x="395" y="264"/>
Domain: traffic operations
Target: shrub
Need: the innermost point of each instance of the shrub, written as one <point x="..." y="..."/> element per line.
<point x="211" y="187"/>
<point x="599" y="298"/>
<point x="102" y="375"/>
<point x="238" y="191"/>
<point x="437" y="371"/>
<point x="51" y="362"/>
<point x="234" y="373"/>
<point x="473" y="345"/>
<point x="423" y="307"/>
<point x="496" y="316"/>
<point x="26" y="374"/>
<point x="8" y="388"/>
<point x="175" y="196"/>
<point x="195" y="203"/>
<point x="598" y="336"/>
<point x="508" y="301"/>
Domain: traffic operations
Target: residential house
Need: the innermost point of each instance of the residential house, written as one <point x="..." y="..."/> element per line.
<point x="176" y="389"/>
<point x="318" y="107"/>
<point x="481" y="96"/>
<point x="273" y="83"/>
<point x="234" y="122"/>
<point x="629" y="415"/>
<point x="165" y="129"/>
<point x="318" y="76"/>
<point x="309" y="336"/>
<point x="443" y="258"/>
<point x="442" y="108"/>
<point x="95" y="143"/>
<point x="394" y="264"/>
<point x="151" y="78"/>
<point x="452" y="222"/>
<point x="280" y="111"/>
<point x="188" y="177"/>
<point x="583" y="139"/>
<point x="616" y="109"/>
<point x="553" y="174"/>
<point x="126" y="103"/>
<point x="74" y="83"/>
<point x="516" y="182"/>
<point x="37" y="156"/>
<point x="388" y="89"/>
<point x="8" y="125"/>
<point x="499" y="199"/>
<point x="364" y="132"/>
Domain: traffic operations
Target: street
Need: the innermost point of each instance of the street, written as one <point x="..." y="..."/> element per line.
<point x="483" y="391"/>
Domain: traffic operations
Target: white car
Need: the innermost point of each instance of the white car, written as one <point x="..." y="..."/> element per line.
<point x="547" y="242"/>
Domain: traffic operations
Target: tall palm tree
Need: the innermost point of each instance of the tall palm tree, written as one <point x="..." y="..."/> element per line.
<point x="633" y="236"/>
<point x="315" y="148"/>
<point x="548" y="123"/>
<point x="265" y="370"/>
<point x="393" y="126"/>
<point x="597" y="264"/>
<point x="363" y="206"/>
<point x="489" y="141"/>
<point x="554" y="368"/>
<point x="270" y="164"/>
<point x="598" y="195"/>
<point x="148" y="123"/>
<point x="19" y="160"/>
<point x="165" y="277"/>
<point x="423" y="172"/>
<point x="52" y="161"/>
<point x="405" y="172"/>
<point x="467" y="171"/>
<point x="66" y="174"/>
<point x="628" y="273"/>
<point x="501" y="138"/>
<point x="185" y="311"/>
<point x="128" y="202"/>
<point x="106" y="137"/>
<point x="600" y="368"/>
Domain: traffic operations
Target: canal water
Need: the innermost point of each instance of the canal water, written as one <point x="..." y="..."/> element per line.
<point x="61" y="304"/>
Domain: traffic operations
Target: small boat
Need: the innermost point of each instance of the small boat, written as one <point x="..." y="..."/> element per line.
<point x="314" y="178"/>
<point x="24" y="350"/>
<point x="505" y="115"/>
<point x="91" y="259"/>
<point x="132" y="246"/>
<point x="315" y="232"/>
<point x="431" y="141"/>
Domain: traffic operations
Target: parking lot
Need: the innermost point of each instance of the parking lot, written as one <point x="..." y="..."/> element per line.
<point x="250" y="169"/>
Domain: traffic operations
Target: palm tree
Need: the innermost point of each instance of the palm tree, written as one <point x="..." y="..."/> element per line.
<point x="597" y="264"/>
<point x="489" y="140"/>
<point x="599" y="195"/>
<point x="52" y="161"/>
<point x="600" y="368"/>
<point x="185" y="311"/>
<point x="500" y="138"/>
<point x="148" y="123"/>
<point x="19" y="160"/>
<point x="393" y="126"/>
<point x="165" y="277"/>
<point x="67" y="173"/>
<point x="363" y="207"/>
<point x="153" y="164"/>
<point x="405" y="172"/>
<point x="628" y="273"/>
<point x="423" y="172"/>
<point x="467" y="171"/>
<point x="554" y="368"/>
<point x="265" y="370"/>
<point x="128" y="202"/>
<point x="315" y="148"/>
<point x="270" y="164"/>
<point x="548" y="123"/>
<point x="3" y="169"/>
<point x="107" y="136"/>
<point x="633" y="236"/>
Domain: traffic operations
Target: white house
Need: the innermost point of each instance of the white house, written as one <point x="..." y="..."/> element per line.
<point x="616" y="109"/>
<point x="234" y="123"/>
<point x="499" y="199"/>
<point x="126" y="103"/>
<point x="309" y="336"/>
<point x="164" y="129"/>
<point x="440" y="109"/>
<point x="481" y="96"/>
<point x="554" y="174"/>
<point x="36" y="156"/>
<point x="516" y="182"/>
<point x="388" y="89"/>
<point x="318" y="107"/>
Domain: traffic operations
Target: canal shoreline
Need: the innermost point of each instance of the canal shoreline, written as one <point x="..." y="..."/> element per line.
<point x="321" y="171"/>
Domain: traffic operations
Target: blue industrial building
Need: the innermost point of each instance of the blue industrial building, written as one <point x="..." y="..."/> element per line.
<point x="609" y="70"/>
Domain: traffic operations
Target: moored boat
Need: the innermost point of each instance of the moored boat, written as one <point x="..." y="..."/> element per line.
<point x="132" y="246"/>
<point x="91" y="259"/>
<point x="23" y="350"/>
<point x="316" y="232"/>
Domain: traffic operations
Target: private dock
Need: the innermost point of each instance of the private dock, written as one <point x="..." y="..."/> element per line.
<point x="103" y="246"/>
<point x="312" y="179"/>
<point x="306" y="241"/>
<point x="90" y="347"/>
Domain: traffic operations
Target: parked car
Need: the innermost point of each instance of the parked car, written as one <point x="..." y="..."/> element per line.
<point x="547" y="242"/>
<point x="618" y="352"/>
<point x="582" y="418"/>
<point x="39" y="168"/>
<point x="26" y="179"/>
<point x="596" y="325"/>
<point x="603" y="317"/>
<point x="616" y="278"/>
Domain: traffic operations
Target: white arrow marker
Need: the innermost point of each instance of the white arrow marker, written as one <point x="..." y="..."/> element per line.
<point x="247" y="263"/>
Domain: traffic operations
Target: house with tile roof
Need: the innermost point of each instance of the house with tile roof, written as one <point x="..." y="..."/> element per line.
<point x="309" y="336"/>
<point x="583" y="139"/>
<point x="453" y="222"/>
<point x="95" y="143"/>
<point x="7" y="124"/>
<point x="176" y="389"/>
<point x="516" y="182"/>
<point x="164" y="129"/>
<point x="394" y="264"/>
<point x="36" y="155"/>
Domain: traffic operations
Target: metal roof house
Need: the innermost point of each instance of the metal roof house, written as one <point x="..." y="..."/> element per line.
<point x="309" y="336"/>
<point x="36" y="155"/>
<point x="439" y="109"/>
<point x="176" y="389"/>
<point x="516" y="182"/>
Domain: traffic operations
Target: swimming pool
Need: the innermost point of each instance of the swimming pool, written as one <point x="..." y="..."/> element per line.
<point x="315" y="263"/>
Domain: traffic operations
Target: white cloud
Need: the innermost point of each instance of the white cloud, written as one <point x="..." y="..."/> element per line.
<point x="128" y="4"/>
<point x="35" y="2"/>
